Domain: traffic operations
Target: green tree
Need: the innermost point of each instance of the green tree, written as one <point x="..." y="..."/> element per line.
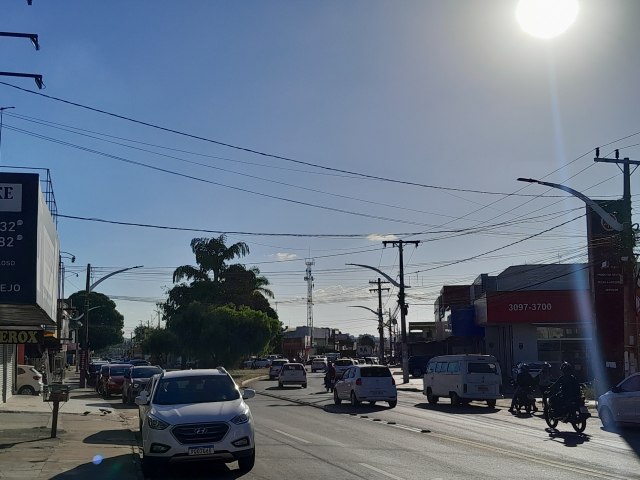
<point x="212" y="256"/>
<point x="160" y="343"/>
<point x="105" y="322"/>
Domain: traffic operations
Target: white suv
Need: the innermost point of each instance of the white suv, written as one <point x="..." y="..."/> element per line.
<point x="196" y="414"/>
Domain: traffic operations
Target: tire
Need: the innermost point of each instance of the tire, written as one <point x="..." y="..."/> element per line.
<point x="417" y="372"/>
<point x="245" y="464"/>
<point x="456" y="401"/>
<point x="304" y="385"/>
<point x="491" y="403"/>
<point x="553" y="423"/>
<point x="27" y="390"/>
<point x="354" y="400"/>
<point x="527" y="408"/>
<point x="106" y="394"/>
<point x="579" y="426"/>
<point x="280" y="385"/>
<point x="431" y="398"/>
<point x="337" y="400"/>
<point x="125" y="398"/>
<point x="606" y="417"/>
<point x="393" y="403"/>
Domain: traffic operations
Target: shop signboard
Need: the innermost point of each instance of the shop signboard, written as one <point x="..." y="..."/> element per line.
<point x="29" y="253"/>
<point x="20" y="337"/>
<point x="537" y="306"/>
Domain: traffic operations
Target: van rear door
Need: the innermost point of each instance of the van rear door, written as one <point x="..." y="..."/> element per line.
<point x="483" y="379"/>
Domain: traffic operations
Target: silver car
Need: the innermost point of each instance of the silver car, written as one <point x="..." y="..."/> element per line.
<point x="621" y="404"/>
<point x="366" y="383"/>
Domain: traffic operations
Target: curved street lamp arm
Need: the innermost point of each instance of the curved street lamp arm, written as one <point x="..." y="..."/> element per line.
<point x="606" y="216"/>
<point x="95" y="284"/>
<point x="391" y="280"/>
<point x="377" y="314"/>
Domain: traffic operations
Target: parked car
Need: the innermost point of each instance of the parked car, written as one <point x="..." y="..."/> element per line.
<point x="463" y="378"/>
<point x="292" y="374"/>
<point x="113" y="378"/>
<point x="343" y="364"/>
<point x="319" y="364"/>
<point x="418" y="364"/>
<point x="93" y="372"/>
<point x="135" y="379"/>
<point x="366" y="383"/>
<point x="248" y="363"/>
<point x="274" y="369"/>
<point x="261" y="363"/>
<point x="143" y="408"/>
<point x="28" y="381"/>
<point x="621" y="404"/>
<point x="138" y="361"/>
<point x="197" y="415"/>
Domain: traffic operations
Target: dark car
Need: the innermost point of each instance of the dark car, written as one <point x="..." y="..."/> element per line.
<point x="93" y="371"/>
<point x="135" y="380"/>
<point x="113" y="378"/>
<point x="418" y="364"/>
<point x="138" y="361"/>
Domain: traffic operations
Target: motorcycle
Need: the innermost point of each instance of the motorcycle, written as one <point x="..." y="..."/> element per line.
<point x="576" y="414"/>
<point x="526" y="399"/>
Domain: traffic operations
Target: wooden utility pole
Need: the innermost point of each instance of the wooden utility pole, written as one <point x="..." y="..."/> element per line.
<point x="379" y="289"/>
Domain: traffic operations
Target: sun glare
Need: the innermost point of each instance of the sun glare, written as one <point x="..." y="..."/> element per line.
<point x="546" y="18"/>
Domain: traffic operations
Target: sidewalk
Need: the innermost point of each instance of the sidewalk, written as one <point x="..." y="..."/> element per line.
<point x="93" y="440"/>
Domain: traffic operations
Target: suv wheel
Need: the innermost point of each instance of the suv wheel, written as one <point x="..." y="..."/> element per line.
<point x="245" y="464"/>
<point x="431" y="398"/>
<point x="417" y="373"/>
<point x="337" y="400"/>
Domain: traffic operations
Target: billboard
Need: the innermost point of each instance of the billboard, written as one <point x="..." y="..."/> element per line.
<point x="536" y="307"/>
<point x="29" y="253"/>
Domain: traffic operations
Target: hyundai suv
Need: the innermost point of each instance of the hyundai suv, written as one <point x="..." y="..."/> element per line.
<point x="196" y="415"/>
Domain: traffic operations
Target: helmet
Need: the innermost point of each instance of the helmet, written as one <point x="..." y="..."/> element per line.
<point x="566" y="368"/>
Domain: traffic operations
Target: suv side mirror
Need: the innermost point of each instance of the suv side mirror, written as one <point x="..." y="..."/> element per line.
<point x="248" y="393"/>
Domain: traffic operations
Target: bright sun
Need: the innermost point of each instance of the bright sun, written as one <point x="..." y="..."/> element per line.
<point x="546" y="18"/>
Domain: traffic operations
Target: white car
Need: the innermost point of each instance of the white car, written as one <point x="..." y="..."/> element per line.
<point x="366" y="383"/>
<point x="197" y="415"/>
<point x="292" y="374"/>
<point x="261" y="363"/>
<point x="276" y="366"/>
<point x="28" y="381"/>
<point x="343" y="364"/>
<point x="621" y="404"/>
<point x="319" y="364"/>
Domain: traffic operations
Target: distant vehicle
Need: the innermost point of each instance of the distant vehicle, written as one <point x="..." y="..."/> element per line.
<point x="621" y="404"/>
<point x="248" y="363"/>
<point x="113" y="378"/>
<point x="138" y="361"/>
<point x="196" y="415"/>
<point x="93" y="372"/>
<point x="261" y="363"/>
<point x="332" y="356"/>
<point x="135" y="379"/>
<point x="463" y="378"/>
<point x="292" y="374"/>
<point x="276" y="366"/>
<point x="371" y="360"/>
<point x="366" y="383"/>
<point x="418" y="364"/>
<point x="28" y="381"/>
<point x="343" y="364"/>
<point x="319" y="364"/>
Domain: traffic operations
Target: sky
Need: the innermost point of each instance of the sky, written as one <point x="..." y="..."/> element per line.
<point x="315" y="130"/>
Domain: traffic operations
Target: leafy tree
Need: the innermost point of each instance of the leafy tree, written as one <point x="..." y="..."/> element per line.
<point x="160" y="342"/>
<point x="211" y="257"/>
<point x="105" y="322"/>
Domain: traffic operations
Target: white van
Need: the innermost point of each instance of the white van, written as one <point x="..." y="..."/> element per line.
<point x="463" y="378"/>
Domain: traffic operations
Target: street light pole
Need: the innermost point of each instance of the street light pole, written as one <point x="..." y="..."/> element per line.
<point x="89" y="289"/>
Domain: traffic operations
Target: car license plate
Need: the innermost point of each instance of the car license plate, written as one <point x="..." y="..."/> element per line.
<point x="202" y="450"/>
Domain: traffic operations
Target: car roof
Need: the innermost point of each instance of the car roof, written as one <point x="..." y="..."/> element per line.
<point x="198" y="372"/>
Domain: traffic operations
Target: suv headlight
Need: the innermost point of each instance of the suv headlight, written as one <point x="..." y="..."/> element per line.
<point x="155" y="423"/>
<point x="240" y="419"/>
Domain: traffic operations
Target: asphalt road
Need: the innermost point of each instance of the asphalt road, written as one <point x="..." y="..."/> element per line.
<point x="301" y="434"/>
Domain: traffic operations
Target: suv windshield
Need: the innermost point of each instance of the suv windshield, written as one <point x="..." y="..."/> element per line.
<point x="200" y="389"/>
<point x="144" y="372"/>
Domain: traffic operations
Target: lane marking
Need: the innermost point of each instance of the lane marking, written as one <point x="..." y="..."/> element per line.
<point x="382" y="472"/>
<point x="291" y="436"/>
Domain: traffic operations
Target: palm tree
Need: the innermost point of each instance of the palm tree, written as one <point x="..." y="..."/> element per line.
<point x="211" y="257"/>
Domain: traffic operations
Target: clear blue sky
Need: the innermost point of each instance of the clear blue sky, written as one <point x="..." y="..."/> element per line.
<point x="447" y="94"/>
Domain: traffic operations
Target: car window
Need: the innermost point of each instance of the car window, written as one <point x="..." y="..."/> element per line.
<point x="441" y="367"/>
<point x="431" y="367"/>
<point x="375" y="372"/>
<point x="292" y="367"/>
<point x="454" y="367"/>
<point x="104" y="369"/>
<point x="145" y="372"/>
<point x="195" y="389"/>
<point x="631" y="384"/>
<point x="118" y="371"/>
<point x="482" y="367"/>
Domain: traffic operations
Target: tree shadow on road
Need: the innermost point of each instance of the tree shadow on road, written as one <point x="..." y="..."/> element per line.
<point x="468" y="409"/>
<point x="122" y="466"/>
<point x="114" y="437"/>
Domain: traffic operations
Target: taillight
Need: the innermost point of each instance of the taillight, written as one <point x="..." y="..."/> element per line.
<point x="393" y="381"/>
<point x="359" y="381"/>
<point x="36" y="378"/>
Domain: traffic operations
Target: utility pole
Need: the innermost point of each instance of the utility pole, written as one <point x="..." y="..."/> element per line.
<point x="379" y="289"/>
<point x="309" y="279"/>
<point x="403" y="305"/>
<point x="628" y="258"/>
<point x="391" y="342"/>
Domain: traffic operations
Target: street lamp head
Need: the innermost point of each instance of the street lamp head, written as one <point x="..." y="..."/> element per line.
<point x="528" y="180"/>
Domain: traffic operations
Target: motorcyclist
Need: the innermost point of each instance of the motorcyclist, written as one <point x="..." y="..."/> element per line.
<point x="524" y="383"/>
<point x="565" y="390"/>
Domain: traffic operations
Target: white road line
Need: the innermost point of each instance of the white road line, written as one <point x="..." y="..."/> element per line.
<point x="382" y="472"/>
<point x="291" y="436"/>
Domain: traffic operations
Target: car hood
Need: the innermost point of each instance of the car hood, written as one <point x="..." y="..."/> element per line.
<point x="199" y="412"/>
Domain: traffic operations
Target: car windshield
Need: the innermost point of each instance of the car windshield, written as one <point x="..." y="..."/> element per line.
<point x="145" y="372"/>
<point x="375" y="372"/>
<point x="196" y="389"/>
<point x="477" y="367"/>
